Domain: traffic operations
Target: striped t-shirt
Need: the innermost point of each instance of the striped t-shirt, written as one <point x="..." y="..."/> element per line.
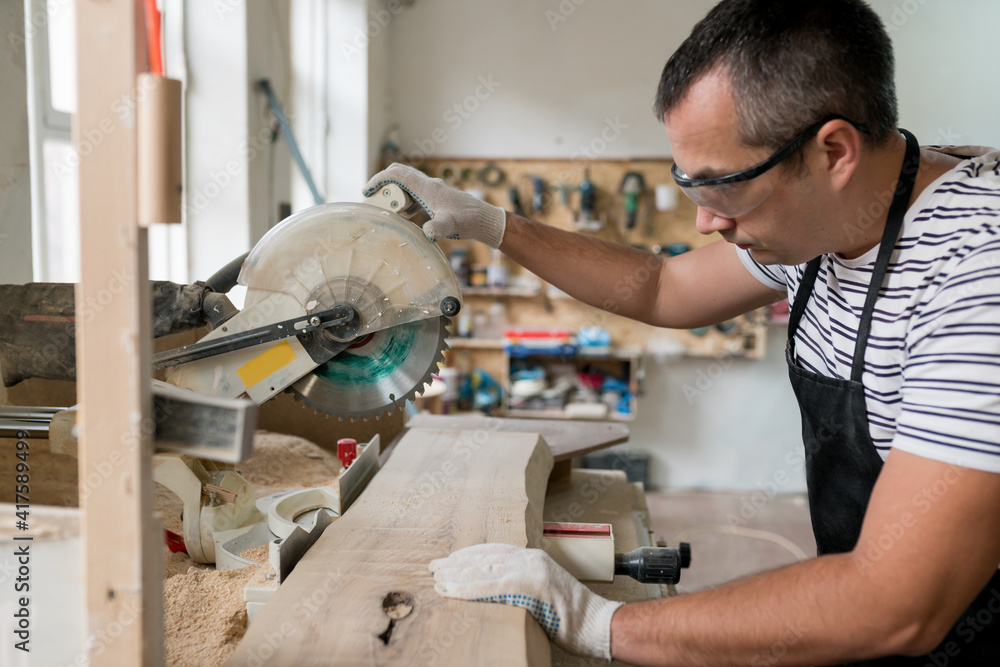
<point x="932" y="365"/>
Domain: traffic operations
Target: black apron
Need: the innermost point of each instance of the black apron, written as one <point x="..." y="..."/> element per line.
<point x="842" y="464"/>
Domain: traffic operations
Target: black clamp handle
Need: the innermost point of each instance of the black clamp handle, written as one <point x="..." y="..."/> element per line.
<point x="654" y="565"/>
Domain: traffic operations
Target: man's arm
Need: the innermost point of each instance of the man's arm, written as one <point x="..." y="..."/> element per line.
<point x="929" y="544"/>
<point x="699" y="288"/>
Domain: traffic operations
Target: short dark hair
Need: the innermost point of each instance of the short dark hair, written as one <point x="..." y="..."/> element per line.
<point x="790" y="63"/>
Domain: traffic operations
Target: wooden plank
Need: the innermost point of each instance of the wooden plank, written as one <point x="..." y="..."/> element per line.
<point x="566" y="438"/>
<point x="440" y="491"/>
<point x="124" y="596"/>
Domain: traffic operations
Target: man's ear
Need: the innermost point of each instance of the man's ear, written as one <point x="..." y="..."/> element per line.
<point x="841" y="145"/>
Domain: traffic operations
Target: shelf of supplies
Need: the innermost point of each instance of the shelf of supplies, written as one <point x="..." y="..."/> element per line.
<point x="561" y="414"/>
<point x="521" y="352"/>
<point x="475" y="343"/>
<point x="523" y="292"/>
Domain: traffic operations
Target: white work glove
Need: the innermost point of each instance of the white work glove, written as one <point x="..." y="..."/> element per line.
<point x="573" y="616"/>
<point x="454" y="214"/>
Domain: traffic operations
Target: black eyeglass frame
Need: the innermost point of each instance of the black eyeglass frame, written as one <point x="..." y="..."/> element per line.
<point x="761" y="167"/>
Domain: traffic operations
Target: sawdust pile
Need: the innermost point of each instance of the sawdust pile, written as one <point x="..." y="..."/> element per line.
<point x="179" y="563"/>
<point x="283" y="462"/>
<point x="257" y="554"/>
<point x="205" y="615"/>
<point x="204" y="610"/>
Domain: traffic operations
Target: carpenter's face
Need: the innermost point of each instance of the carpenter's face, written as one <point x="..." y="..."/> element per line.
<point x="775" y="215"/>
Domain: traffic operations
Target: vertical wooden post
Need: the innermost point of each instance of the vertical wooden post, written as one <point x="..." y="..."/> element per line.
<point x="121" y="556"/>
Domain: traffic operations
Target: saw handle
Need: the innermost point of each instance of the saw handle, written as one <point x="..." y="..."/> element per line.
<point x="225" y="278"/>
<point x="393" y="198"/>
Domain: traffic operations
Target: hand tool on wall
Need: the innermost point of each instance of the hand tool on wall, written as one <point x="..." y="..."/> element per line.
<point x="564" y="190"/>
<point x="537" y="194"/>
<point x="588" y="200"/>
<point x="515" y="200"/>
<point x="633" y="187"/>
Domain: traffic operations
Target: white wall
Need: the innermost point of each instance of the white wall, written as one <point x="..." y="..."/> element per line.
<point x="560" y="71"/>
<point x="721" y="423"/>
<point x="947" y="77"/>
<point x="561" y="68"/>
<point x="565" y="66"/>
<point x="15" y="182"/>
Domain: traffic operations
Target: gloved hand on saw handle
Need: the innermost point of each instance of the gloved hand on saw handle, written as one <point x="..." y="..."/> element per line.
<point x="454" y="214"/>
<point x="572" y="615"/>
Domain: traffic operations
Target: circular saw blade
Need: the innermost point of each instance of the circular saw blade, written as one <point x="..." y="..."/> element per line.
<point x="378" y="376"/>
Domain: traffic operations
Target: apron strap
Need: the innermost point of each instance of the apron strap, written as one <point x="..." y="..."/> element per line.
<point x="802" y="295"/>
<point x="893" y="225"/>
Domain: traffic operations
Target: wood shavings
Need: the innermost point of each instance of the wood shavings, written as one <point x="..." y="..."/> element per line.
<point x="258" y="554"/>
<point x="204" y="609"/>
<point x="175" y="563"/>
<point x="204" y="615"/>
<point x="285" y="462"/>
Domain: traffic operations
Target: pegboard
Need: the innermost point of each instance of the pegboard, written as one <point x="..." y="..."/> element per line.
<point x="654" y="230"/>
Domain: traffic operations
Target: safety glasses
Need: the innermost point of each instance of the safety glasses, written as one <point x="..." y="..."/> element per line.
<point x="737" y="194"/>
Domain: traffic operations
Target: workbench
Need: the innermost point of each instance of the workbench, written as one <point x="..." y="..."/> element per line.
<point x="428" y="500"/>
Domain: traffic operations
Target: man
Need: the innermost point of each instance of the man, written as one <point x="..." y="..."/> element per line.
<point x="782" y="119"/>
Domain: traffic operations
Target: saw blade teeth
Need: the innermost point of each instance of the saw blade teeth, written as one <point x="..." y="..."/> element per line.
<point x="311" y="395"/>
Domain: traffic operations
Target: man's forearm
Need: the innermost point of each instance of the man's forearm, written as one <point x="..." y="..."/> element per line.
<point x="605" y="275"/>
<point x="815" y="612"/>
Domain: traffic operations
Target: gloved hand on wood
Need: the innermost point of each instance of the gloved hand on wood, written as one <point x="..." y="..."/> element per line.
<point x="454" y="214"/>
<point x="573" y="616"/>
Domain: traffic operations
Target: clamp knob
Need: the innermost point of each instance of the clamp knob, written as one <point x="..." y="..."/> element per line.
<point x="347" y="451"/>
<point x="651" y="565"/>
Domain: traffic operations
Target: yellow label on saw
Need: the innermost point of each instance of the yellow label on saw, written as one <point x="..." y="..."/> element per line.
<point x="266" y="364"/>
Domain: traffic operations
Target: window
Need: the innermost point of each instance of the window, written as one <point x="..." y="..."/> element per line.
<point x="50" y="34"/>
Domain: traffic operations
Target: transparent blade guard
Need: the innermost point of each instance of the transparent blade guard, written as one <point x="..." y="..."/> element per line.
<point x="357" y="254"/>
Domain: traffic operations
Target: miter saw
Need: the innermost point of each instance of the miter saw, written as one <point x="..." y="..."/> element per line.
<point x="346" y="307"/>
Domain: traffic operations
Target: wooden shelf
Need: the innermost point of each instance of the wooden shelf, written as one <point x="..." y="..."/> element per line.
<point x="475" y="343"/>
<point x="561" y="414"/>
<point x="521" y="292"/>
